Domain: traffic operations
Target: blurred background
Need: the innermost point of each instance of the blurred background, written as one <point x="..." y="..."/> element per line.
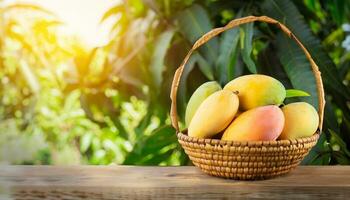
<point x="88" y="81"/>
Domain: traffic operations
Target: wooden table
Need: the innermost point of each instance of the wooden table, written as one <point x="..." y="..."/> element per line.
<point x="131" y="182"/>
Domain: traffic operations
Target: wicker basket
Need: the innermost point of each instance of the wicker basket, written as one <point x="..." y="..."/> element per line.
<point x="246" y="160"/>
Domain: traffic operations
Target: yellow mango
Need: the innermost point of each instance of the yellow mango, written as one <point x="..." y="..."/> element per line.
<point x="257" y="124"/>
<point x="201" y="93"/>
<point x="214" y="114"/>
<point x="257" y="90"/>
<point x="301" y="120"/>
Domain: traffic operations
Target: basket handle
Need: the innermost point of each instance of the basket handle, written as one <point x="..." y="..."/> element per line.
<point x="232" y="24"/>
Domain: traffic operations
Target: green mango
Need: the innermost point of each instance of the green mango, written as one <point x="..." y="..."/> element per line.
<point x="201" y="93"/>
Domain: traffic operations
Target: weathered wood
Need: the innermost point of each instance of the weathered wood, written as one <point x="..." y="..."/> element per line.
<point x="131" y="182"/>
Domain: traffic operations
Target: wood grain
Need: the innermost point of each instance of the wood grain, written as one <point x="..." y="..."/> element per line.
<point x="132" y="182"/>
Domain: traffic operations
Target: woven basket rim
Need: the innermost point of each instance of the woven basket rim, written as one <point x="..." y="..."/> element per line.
<point x="270" y="143"/>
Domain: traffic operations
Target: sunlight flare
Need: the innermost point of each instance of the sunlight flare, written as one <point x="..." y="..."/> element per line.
<point x="81" y="17"/>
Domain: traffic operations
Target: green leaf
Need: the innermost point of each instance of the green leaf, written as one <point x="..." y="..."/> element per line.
<point x="330" y="119"/>
<point x="345" y="131"/>
<point x="30" y="77"/>
<point x="269" y="63"/>
<point x="344" y="69"/>
<point x="182" y="92"/>
<point x="226" y="63"/>
<point x="158" y="158"/>
<point x="337" y="10"/>
<point x="228" y="55"/>
<point x="335" y="139"/>
<point x="85" y="142"/>
<point x="340" y="152"/>
<point x="120" y="8"/>
<point x="71" y="101"/>
<point x="159" y="139"/>
<point x="205" y="67"/>
<point x="320" y="153"/>
<point x="286" y="12"/>
<point x="321" y="159"/>
<point x="146" y="120"/>
<point x="297" y="68"/>
<point x="341" y="158"/>
<point x="296" y="93"/>
<point x="157" y="63"/>
<point x="120" y="26"/>
<point x="246" y="38"/>
<point x="194" y="22"/>
<point x="157" y="144"/>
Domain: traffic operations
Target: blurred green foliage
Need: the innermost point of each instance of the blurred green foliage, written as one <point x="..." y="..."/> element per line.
<point x="62" y="103"/>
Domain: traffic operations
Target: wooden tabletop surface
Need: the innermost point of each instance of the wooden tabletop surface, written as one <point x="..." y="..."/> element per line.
<point x="132" y="182"/>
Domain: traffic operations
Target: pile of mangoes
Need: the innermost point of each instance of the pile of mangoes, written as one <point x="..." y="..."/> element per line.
<point x="248" y="108"/>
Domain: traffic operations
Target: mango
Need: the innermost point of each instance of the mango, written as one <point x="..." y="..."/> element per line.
<point x="261" y="123"/>
<point x="257" y="90"/>
<point x="214" y="114"/>
<point x="301" y="120"/>
<point x="201" y="93"/>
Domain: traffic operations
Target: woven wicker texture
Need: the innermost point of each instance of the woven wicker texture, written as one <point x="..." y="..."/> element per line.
<point x="246" y="160"/>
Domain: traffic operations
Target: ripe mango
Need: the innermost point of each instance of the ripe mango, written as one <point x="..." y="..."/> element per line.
<point x="201" y="93"/>
<point x="214" y="114"/>
<point x="257" y="90"/>
<point x="261" y="123"/>
<point x="301" y="120"/>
